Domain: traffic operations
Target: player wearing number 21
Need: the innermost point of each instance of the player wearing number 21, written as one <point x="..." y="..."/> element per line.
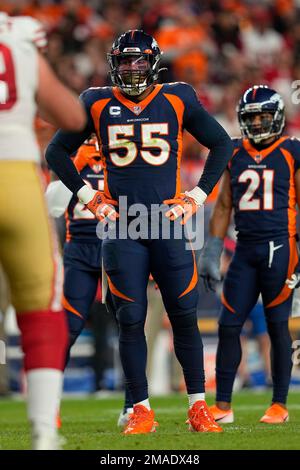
<point x="262" y="185"/>
<point x="139" y="125"/>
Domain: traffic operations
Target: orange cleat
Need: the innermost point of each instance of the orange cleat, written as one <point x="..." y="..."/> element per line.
<point x="222" y="416"/>
<point x="58" y="421"/>
<point x="201" y="419"/>
<point x="275" y="414"/>
<point x="141" y="421"/>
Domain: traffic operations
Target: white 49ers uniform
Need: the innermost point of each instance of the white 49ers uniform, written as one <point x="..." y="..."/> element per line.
<point x="19" y="39"/>
<point x="26" y="241"/>
<point x="27" y="251"/>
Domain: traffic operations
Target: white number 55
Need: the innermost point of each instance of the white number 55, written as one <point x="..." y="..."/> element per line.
<point x="117" y="140"/>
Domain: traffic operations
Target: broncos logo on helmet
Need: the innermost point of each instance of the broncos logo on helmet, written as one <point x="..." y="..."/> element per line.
<point x="134" y="62"/>
<point x="262" y="100"/>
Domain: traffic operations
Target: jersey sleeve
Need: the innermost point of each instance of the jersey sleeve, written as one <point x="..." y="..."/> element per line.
<point x="71" y="141"/>
<point x="236" y="142"/>
<point x="295" y="151"/>
<point x="198" y="122"/>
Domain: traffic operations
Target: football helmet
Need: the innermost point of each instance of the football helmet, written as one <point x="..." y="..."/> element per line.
<point x="261" y="99"/>
<point x="134" y="62"/>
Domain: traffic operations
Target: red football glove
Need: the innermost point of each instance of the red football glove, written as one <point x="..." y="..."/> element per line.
<point x="102" y="207"/>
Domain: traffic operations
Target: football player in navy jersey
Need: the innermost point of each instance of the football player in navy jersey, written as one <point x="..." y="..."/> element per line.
<point x="139" y="126"/>
<point x="262" y="186"/>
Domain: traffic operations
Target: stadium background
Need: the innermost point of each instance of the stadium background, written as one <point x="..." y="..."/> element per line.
<point x="221" y="48"/>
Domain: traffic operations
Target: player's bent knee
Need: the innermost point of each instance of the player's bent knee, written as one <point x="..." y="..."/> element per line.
<point x="131" y="332"/>
<point x="130" y="314"/>
<point x="183" y="319"/>
<point x="44" y="339"/>
<point x="131" y="322"/>
<point x="229" y="332"/>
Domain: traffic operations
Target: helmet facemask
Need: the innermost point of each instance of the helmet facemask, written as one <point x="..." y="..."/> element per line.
<point x="271" y="124"/>
<point x="133" y="73"/>
<point x="255" y="132"/>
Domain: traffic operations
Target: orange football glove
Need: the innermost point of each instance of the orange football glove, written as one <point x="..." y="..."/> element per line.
<point x="183" y="206"/>
<point x="102" y="207"/>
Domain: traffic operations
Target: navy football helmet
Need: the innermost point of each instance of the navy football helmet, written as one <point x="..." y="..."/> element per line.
<point x="134" y="62"/>
<point x="257" y="100"/>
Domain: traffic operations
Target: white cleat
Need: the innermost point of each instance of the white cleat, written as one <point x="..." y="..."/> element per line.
<point x="124" y="418"/>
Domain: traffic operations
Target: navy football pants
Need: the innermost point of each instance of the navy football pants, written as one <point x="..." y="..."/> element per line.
<point x="260" y="268"/>
<point x="82" y="272"/>
<point x="128" y="264"/>
<point x="255" y="269"/>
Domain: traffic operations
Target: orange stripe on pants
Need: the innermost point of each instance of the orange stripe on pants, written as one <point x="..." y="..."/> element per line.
<point x="226" y="304"/>
<point x="69" y="307"/>
<point x="116" y="292"/>
<point x="194" y="279"/>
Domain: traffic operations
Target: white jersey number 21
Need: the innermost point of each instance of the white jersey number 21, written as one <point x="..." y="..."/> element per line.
<point x="247" y="201"/>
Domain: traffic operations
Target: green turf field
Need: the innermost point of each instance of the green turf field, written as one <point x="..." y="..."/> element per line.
<point x="91" y="424"/>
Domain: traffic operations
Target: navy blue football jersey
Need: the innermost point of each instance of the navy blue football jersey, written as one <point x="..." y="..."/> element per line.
<point x="80" y="222"/>
<point x="141" y="142"/>
<point x="263" y="188"/>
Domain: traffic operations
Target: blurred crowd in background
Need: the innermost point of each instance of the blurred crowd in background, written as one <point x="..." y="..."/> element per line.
<point x="219" y="46"/>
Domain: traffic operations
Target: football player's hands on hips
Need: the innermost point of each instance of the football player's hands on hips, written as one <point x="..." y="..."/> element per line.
<point x="185" y="205"/>
<point x="96" y="201"/>
<point x="209" y="262"/>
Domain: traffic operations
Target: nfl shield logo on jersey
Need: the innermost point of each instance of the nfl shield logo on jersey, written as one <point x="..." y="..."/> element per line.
<point x="97" y="168"/>
<point x="258" y="158"/>
<point x="137" y="110"/>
